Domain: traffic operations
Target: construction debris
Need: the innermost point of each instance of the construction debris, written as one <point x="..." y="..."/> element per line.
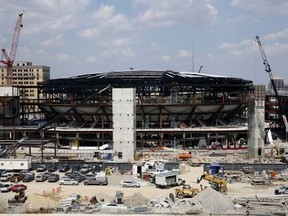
<point x="264" y="205"/>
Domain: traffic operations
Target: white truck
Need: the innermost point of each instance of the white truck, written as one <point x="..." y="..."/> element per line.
<point x="15" y="164"/>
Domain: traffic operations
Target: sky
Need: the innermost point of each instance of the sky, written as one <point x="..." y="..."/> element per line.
<point x="77" y="37"/>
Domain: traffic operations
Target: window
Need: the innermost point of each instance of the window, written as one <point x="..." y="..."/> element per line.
<point x="120" y="155"/>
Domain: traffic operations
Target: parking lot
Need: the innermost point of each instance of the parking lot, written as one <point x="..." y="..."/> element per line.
<point x="48" y="194"/>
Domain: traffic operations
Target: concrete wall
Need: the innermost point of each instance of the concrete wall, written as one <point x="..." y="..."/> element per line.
<point x="124" y="124"/>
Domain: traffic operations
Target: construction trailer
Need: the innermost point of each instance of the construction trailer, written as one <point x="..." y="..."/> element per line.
<point x="166" y="180"/>
<point x="15" y="164"/>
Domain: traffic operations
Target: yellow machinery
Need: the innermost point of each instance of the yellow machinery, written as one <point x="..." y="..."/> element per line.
<point x="218" y="183"/>
<point x="108" y="171"/>
<point x="186" y="191"/>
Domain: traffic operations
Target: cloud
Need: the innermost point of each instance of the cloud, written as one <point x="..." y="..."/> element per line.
<point x="55" y="40"/>
<point x="89" y="32"/>
<point x="277" y="35"/>
<point x="263" y="6"/>
<point x="123" y="52"/>
<point x="114" y="43"/>
<point x="172" y="12"/>
<point x="164" y="58"/>
<point x="183" y="53"/>
<point x="155" y="46"/>
<point x="92" y="59"/>
<point x="237" y="49"/>
<point x="63" y="56"/>
<point x="106" y="22"/>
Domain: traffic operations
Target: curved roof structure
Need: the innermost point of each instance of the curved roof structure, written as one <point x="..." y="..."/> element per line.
<point x="140" y="78"/>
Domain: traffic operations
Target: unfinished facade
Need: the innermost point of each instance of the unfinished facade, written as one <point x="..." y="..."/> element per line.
<point x="173" y="109"/>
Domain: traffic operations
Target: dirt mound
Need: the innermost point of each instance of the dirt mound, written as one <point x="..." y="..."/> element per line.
<point x="215" y="201"/>
<point x="102" y="197"/>
<point x="137" y="199"/>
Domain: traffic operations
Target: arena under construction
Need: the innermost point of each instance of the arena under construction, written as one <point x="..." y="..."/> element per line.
<point x="175" y="109"/>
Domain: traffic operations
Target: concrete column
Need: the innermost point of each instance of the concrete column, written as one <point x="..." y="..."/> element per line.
<point x="124" y="124"/>
<point x="256" y="123"/>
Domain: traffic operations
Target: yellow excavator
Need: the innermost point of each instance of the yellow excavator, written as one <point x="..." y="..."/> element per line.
<point x="217" y="183"/>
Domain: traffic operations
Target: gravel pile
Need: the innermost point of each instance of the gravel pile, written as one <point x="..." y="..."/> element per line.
<point x="215" y="201"/>
<point x="137" y="199"/>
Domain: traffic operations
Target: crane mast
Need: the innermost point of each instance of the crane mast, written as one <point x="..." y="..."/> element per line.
<point x="9" y="59"/>
<point x="269" y="71"/>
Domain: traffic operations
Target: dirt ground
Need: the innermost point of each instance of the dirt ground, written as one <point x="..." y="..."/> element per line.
<point x="47" y="195"/>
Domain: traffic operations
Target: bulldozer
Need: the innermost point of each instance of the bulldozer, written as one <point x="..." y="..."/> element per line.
<point x="217" y="183"/>
<point x="186" y="191"/>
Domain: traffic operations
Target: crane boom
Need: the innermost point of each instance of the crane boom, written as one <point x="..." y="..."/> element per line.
<point x="9" y="59"/>
<point x="268" y="70"/>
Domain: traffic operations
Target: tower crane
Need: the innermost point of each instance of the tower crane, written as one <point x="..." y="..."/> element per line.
<point x="8" y="60"/>
<point x="268" y="70"/>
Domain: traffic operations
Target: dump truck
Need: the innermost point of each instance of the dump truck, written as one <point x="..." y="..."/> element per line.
<point x="186" y="191"/>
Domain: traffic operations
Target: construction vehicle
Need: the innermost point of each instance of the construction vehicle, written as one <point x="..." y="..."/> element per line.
<point x="19" y="197"/>
<point x="9" y="59"/>
<point x="119" y="197"/>
<point x="186" y="191"/>
<point x="268" y="70"/>
<point x="184" y="156"/>
<point x="217" y="183"/>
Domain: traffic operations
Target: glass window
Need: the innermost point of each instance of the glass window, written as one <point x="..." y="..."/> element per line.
<point x="120" y="155"/>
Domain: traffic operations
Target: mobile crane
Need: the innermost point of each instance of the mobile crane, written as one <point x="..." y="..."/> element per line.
<point x="268" y="70"/>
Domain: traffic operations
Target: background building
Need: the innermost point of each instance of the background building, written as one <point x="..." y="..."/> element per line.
<point x="272" y="113"/>
<point x="25" y="77"/>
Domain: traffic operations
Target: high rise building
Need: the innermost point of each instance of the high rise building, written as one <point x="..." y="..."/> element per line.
<point x="25" y="76"/>
<point x="25" y="79"/>
<point x="279" y="84"/>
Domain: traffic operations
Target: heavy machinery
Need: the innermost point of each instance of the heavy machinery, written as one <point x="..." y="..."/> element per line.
<point x="19" y="197"/>
<point x="217" y="183"/>
<point x="8" y="60"/>
<point x="119" y="197"/>
<point x="186" y="191"/>
<point x="184" y="156"/>
<point x="268" y="70"/>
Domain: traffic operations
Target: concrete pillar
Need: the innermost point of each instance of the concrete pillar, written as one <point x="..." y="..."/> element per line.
<point x="256" y="123"/>
<point x="124" y="124"/>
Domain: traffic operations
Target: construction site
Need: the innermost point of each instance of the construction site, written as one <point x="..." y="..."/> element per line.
<point x="187" y="142"/>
